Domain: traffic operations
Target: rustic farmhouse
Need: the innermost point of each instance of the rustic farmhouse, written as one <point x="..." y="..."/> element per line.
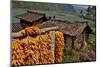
<point x="75" y="34"/>
<point x="31" y="18"/>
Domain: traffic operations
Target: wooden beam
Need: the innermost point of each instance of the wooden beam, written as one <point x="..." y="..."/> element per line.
<point x="20" y="33"/>
<point x="16" y="35"/>
<point x="49" y="29"/>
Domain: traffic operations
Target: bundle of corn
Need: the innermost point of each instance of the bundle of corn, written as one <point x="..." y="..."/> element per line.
<point x="46" y="55"/>
<point x="17" y="53"/>
<point x="33" y="30"/>
<point x="32" y="50"/>
<point x="59" y="47"/>
<point x="36" y="48"/>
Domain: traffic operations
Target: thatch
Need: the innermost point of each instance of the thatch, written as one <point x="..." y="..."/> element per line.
<point x="31" y="16"/>
<point x="67" y="28"/>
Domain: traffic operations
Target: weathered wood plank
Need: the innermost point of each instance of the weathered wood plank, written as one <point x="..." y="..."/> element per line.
<point x="52" y="35"/>
<point x="49" y="29"/>
<point x="16" y="35"/>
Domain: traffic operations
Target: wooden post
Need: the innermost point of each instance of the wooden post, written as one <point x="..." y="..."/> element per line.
<point x="52" y="35"/>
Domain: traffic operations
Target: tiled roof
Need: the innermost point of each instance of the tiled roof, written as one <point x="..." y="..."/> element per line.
<point x="16" y="27"/>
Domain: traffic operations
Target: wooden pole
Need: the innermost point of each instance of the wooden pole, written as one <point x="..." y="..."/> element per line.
<point x="52" y="35"/>
<point x="49" y="29"/>
<point x="16" y="35"/>
<point x="20" y="33"/>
